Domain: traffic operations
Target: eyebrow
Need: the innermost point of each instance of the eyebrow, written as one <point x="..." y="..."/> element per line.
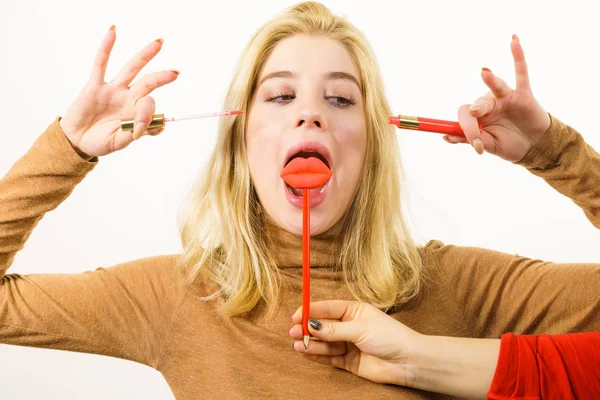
<point x="290" y="74"/>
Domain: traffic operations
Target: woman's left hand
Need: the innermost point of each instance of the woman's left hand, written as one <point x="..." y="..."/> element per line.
<point x="359" y="338"/>
<point x="512" y="120"/>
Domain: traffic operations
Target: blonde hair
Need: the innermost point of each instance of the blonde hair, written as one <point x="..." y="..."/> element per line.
<point x="223" y="231"/>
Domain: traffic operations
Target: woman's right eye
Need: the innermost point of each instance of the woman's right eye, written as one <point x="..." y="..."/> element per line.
<point x="280" y="98"/>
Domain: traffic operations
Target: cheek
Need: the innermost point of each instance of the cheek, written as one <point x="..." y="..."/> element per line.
<point x="353" y="145"/>
<point x="262" y="144"/>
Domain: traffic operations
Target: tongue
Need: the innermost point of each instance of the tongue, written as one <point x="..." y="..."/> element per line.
<point x="309" y="173"/>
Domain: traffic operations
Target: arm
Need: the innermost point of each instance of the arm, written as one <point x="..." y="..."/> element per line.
<point x="515" y="367"/>
<point x="547" y="367"/>
<point x="457" y="366"/>
<point x="569" y="165"/>
<point x="364" y="340"/>
<point x="499" y="292"/>
<point x="37" y="183"/>
<point x="120" y="311"/>
<point x="516" y="128"/>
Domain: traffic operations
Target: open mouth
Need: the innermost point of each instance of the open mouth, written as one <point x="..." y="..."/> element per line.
<point x="308" y="154"/>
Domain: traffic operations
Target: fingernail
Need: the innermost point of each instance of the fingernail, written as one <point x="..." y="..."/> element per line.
<point x="176" y="71"/>
<point x="478" y="146"/>
<point x="474" y="107"/>
<point x="161" y="41"/>
<point x="138" y="130"/>
<point x="112" y="28"/>
<point x="486" y="69"/>
<point x="515" y="37"/>
<point x="294" y="345"/>
<point x="316" y="325"/>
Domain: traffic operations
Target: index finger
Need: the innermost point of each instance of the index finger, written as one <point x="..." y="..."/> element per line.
<point x="329" y="309"/>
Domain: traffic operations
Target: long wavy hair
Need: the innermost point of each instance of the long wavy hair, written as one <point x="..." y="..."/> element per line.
<point x="222" y="223"/>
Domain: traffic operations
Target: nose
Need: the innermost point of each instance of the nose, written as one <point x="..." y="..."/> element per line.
<point x="311" y="119"/>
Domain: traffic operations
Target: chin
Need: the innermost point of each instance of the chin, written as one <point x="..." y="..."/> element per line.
<point x="292" y="222"/>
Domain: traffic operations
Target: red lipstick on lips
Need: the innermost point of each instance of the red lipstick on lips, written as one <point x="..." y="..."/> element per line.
<point x="306" y="173"/>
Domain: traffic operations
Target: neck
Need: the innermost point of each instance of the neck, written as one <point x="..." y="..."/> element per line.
<point x="286" y="247"/>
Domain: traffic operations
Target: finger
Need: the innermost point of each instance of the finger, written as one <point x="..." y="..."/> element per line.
<point x="470" y="127"/>
<point x="101" y="60"/>
<point x="148" y="83"/>
<point x="317" y="347"/>
<point x="329" y="309"/>
<point x="123" y="139"/>
<point x="453" y="139"/>
<point x="498" y="87"/>
<point x="483" y="105"/>
<point x="155" y="131"/>
<point x="297" y="333"/>
<point x="139" y="61"/>
<point x="521" y="74"/>
<point x="335" y="331"/>
<point x="144" y="109"/>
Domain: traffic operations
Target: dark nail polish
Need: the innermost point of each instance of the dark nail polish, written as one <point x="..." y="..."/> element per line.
<point x="316" y="325"/>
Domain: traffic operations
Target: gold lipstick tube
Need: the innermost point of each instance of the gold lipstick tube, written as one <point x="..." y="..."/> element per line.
<point x="158" y="121"/>
<point x="408" y="122"/>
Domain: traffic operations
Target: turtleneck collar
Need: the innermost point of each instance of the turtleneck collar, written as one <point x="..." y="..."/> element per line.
<point x="286" y="248"/>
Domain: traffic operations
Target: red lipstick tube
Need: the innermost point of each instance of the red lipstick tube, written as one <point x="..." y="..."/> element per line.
<point x="428" y="125"/>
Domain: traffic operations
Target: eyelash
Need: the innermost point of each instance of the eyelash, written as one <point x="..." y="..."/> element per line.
<point x="347" y="101"/>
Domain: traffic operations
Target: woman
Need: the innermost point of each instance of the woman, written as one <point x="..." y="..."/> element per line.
<point x="204" y="318"/>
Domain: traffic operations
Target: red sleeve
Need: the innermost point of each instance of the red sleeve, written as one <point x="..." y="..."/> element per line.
<point x="533" y="367"/>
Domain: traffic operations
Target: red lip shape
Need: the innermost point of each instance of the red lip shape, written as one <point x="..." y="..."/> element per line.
<point x="308" y="173"/>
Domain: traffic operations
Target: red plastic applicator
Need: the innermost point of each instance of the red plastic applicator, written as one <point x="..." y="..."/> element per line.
<point x="306" y="173"/>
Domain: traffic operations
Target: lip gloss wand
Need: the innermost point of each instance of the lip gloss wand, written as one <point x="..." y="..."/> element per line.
<point x="306" y="173"/>
<point x="159" y="120"/>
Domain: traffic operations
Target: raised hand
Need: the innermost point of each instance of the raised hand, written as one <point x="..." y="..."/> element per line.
<point x="512" y="120"/>
<point x="92" y="121"/>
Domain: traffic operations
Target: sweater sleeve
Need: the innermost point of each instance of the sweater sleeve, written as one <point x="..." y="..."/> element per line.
<point x="497" y="292"/>
<point x="122" y="311"/>
<point x="37" y="183"/>
<point x="547" y="367"/>
<point x="569" y="165"/>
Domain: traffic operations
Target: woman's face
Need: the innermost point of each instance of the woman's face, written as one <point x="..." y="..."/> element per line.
<point x="307" y="99"/>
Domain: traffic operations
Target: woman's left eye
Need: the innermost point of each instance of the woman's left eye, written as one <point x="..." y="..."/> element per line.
<point x="341" y="101"/>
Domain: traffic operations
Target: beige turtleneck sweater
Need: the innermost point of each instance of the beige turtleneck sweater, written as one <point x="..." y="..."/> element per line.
<point x="137" y="311"/>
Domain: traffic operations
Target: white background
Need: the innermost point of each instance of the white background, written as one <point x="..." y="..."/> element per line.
<point x="431" y="54"/>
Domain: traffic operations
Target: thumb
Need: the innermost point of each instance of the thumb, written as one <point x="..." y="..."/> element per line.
<point x="334" y="331"/>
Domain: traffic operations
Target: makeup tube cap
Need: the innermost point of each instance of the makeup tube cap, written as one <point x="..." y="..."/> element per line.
<point x="158" y="121"/>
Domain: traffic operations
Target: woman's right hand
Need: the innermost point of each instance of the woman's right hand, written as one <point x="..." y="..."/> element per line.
<point x="92" y="122"/>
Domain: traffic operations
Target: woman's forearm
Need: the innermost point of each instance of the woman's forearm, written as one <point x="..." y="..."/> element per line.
<point x="456" y="366"/>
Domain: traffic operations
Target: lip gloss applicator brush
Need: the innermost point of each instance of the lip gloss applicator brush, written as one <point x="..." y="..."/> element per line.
<point x="306" y="173"/>
<point x="159" y="120"/>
